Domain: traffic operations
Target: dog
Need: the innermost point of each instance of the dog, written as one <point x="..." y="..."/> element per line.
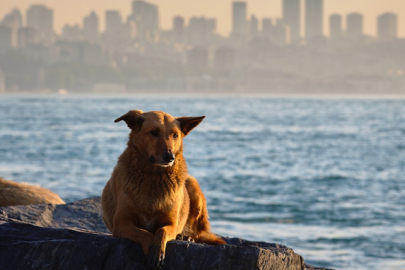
<point x="12" y="193"/>
<point x="150" y="198"/>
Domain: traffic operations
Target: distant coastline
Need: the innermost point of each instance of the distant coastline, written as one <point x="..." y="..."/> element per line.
<point x="389" y="96"/>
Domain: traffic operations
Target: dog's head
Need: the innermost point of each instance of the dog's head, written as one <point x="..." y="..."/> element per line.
<point x="158" y="135"/>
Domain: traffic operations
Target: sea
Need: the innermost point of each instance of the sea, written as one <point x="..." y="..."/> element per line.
<point x="322" y="175"/>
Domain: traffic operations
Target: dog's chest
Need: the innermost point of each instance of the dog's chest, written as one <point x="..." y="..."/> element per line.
<point x="156" y="212"/>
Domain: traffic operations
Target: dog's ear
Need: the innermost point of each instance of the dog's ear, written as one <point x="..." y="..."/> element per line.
<point x="133" y="118"/>
<point x="188" y="123"/>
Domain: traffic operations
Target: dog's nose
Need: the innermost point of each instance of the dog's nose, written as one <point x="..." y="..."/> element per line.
<point x="168" y="157"/>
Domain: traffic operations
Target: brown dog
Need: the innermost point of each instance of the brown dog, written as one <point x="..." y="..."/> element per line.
<point x="12" y="193"/>
<point x="150" y="198"/>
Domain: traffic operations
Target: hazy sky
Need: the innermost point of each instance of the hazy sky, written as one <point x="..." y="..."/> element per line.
<point x="73" y="11"/>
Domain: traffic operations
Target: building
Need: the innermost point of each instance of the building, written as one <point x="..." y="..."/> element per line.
<point x="13" y="20"/>
<point x="146" y="18"/>
<point x="198" y="30"/>
<point x="387" y="27"/>
<point x="239" y="22"/>
<point x="197" y="58"/>
<point x="225" y="58"/>
<point x="277" y="33"/>
<point x="91" y="26"/>
<point x="113" y="25"/>
<point x="313" y="19"/>
<point x="2" y="82"/>
<point x="178" y="29"/>
<point x="267" y="27"/>
<point x="211" y="25"/>
<point x="280" y="33"/>
<point x="40" y="18"/>
<point x="71" y="32"/>
<point x="27" y="36"/>
<point x="292" y="18"/>
<point x="5" y="38"/>
<point x="253" y="26"/>
<point x="335" y="26"/>
<point x="354" y="26"/>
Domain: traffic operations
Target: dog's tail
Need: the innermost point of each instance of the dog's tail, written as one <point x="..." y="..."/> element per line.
<point x="205" y="235"/>
<point x="210" y="239"/>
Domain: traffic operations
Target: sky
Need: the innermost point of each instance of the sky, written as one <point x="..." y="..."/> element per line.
<point x="73" y="11"/>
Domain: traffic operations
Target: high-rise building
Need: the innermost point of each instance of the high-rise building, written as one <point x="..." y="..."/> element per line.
<point x="387" y="27"/>
<point x="13" y="20"/>
<point x="27" y="36"/>
<point x="5" y="38"/>
<point x="277" y="33"/>
<point x="199" y="29"/>
<point x="253" y="26"/>
<point x="354" y="25"/>
<point x="239" y="22"/>
<point x="225" y="58"/>
<point x="313" y="19"/>
<point x="267" y="27"/>
<point x="335" y="26"/>
<point x="91" y="26"/>
<point x="40" y="18"/>
<point x="113" y="24"/>
<point x="2" y="82"/>
<point x="292" y="18"/>
<point x="178" y="28"/>
<point x="280" y="32"/>
<point x="146" y="18"/>
<point x="211" y="25"/>
<point x="71" y="32"/>
<point x="197" y="58"/>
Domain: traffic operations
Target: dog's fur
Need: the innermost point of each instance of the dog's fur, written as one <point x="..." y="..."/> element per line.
<point x="12" y="193"/>
<point x="150" y="198"/>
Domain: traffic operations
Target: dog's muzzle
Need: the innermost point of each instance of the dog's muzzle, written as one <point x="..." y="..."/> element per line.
<point x="166" y="161"/>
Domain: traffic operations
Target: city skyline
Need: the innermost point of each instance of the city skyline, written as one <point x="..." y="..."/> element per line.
<point x="222" y="12"/>
<point x="261" y="53"/>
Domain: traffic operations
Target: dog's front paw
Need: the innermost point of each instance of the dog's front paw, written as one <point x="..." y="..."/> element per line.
<point x="156" y="257"/>
<point x="181" y="237"/>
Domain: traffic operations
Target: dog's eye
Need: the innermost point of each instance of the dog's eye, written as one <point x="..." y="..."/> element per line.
<point x="155" y="133"/>
<point x="175" y="135"/>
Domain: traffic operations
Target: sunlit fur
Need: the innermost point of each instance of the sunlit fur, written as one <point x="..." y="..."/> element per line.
<point x="149" y="201"/>
<point x="12" y="193"/>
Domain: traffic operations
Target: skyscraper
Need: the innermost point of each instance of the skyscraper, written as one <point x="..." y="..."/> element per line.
<point x="267" y="27"/>
<point x="91" y="26"/>
<point x="5" y="38"/>
<point x="292" y="18"/>
<point x="13" y="20"/>
<point x="387" y="27"/>
<point x="280" y="31"/>
<point x="253" y="26"/>
<point x="146" y="18"/>
<point x="313" y="18"/>
<point x="113" y="21"/>
<point x="335" y="26"/>
<point x="199" y="30"/>
<point x="40" y="18"/>
<point x="113" y="26"/>
<point x="178" y="28"/>
<point x="27" y="36"/>
<point x="211" y="25"/>
<point x="239" y="22"/>
<point x="354" y="25"/>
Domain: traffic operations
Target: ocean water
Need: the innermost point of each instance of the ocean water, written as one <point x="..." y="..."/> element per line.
<point x="325" y="177"/>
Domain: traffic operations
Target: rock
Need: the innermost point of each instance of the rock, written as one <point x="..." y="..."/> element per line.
<point x="73" y="236"/>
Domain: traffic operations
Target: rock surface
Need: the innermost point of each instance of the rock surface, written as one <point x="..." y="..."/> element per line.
<point x="73" y="236"/>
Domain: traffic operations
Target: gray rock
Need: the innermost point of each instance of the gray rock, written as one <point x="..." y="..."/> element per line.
<point x="73" y="236"/>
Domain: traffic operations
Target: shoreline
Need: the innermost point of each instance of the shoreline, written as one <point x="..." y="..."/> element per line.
<point x="327" y="96"/>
